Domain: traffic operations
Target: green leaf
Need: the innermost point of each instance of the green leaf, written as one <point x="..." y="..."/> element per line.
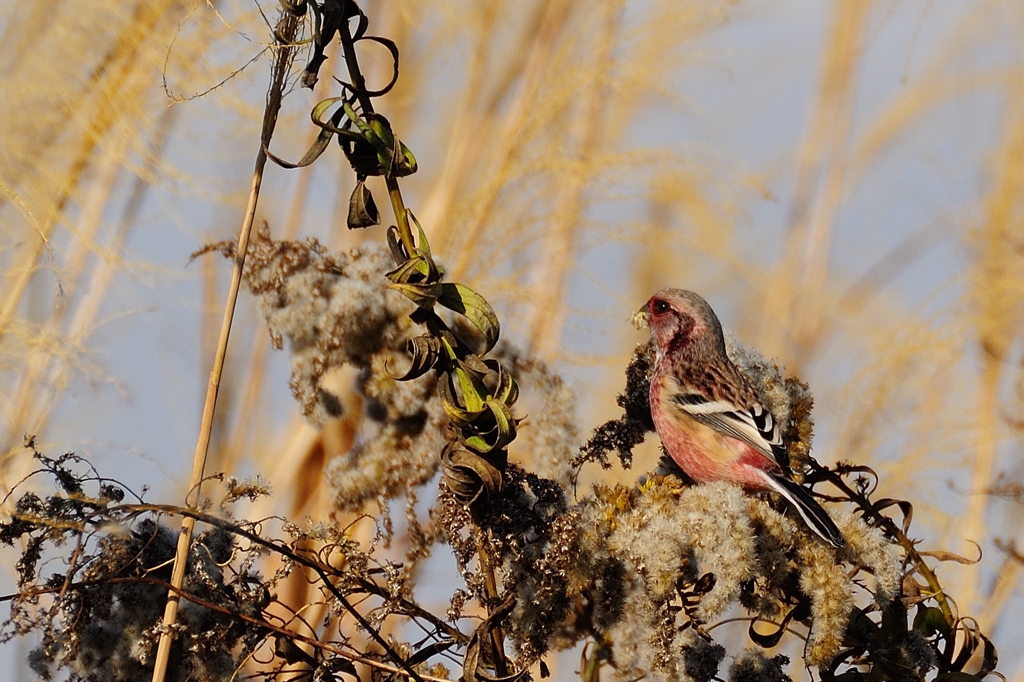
<point x="378" y="133"/>
<point x="496" y="438"/>
<point x="403" y="163"/>
<point x="471" y="305"/>
<point x="408" y="271"/>
<point x="421" y="242"/>
<point x="423" y="295"/>
<point x="929" y="620"/>
<point x="331" y="125"/>
<point x="458" y="417"/>
<point x="472" y="395"/>
<point x="322" y="141"/>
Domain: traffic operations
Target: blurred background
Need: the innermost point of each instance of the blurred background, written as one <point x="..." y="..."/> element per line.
<point x="844" y="181"/>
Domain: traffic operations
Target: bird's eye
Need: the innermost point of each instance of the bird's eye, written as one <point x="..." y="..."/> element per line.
<point x="660" y="307"/>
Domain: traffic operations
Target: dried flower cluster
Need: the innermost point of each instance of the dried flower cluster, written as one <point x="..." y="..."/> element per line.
<point x="336" y="310"/>
<point x="642" y="569"/>
<point x="102" y="619"/>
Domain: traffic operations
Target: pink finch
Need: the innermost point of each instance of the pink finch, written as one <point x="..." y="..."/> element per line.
<point x="707" y="414"/>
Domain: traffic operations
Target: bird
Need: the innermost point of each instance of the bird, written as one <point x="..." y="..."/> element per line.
<point x="708" y="415"/>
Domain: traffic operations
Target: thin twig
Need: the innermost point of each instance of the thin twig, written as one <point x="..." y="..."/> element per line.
<point x="893" y="530"/>
<point x="212" y="606"/>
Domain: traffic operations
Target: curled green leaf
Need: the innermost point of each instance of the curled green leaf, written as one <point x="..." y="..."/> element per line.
<point x="423" y="295"/>
<point x="458" y="417"/>
<point x="462" y="394"/>
<point x="419" y="269"/>
<point x="471" y="305"/>
<point x="930" y="620"/>
<point x="493" y="430"/>
<point x="421" y="237"/>
<point x="334" y="124"/>
<point x="377" y="131"/>
<point x="362" y="211"/>
<point x="322" y="141"/>
<point x="403" y="163"/>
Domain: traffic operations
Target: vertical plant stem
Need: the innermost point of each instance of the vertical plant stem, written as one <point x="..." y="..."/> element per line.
<point x="284" y="33"/>
<point x="406" y="236"/>
<point x="359" y="83"/>
<point x="491" y="585"/>
<point x="239" y="439"/>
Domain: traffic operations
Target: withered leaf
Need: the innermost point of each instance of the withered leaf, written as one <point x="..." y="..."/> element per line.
<point x="472" y="666"/>
<point x="362" y="211"/>
<point x="425" y="351"/>
<point x="468" y="475"/>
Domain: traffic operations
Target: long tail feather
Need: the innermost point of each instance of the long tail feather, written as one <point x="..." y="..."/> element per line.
<point x="811" y="512"/>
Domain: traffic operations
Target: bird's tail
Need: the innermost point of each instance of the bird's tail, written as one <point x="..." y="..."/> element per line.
<point x="811" y="512"/>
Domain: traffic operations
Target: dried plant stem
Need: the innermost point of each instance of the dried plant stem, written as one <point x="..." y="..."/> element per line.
<point x="285" y="33"/>
<point x="254" y="374"/>
<point x="491" y="585"/>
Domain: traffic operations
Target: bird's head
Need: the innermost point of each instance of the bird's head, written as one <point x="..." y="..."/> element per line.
<point x="682" y="321"/>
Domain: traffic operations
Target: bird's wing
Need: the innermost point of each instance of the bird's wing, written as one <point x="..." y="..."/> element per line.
<point x="753" y="425"/>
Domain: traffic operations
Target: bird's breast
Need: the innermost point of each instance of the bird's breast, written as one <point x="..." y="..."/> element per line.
<point x="702" y="452"/>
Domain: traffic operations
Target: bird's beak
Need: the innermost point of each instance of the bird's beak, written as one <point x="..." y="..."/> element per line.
<point x="642" y="317"/>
